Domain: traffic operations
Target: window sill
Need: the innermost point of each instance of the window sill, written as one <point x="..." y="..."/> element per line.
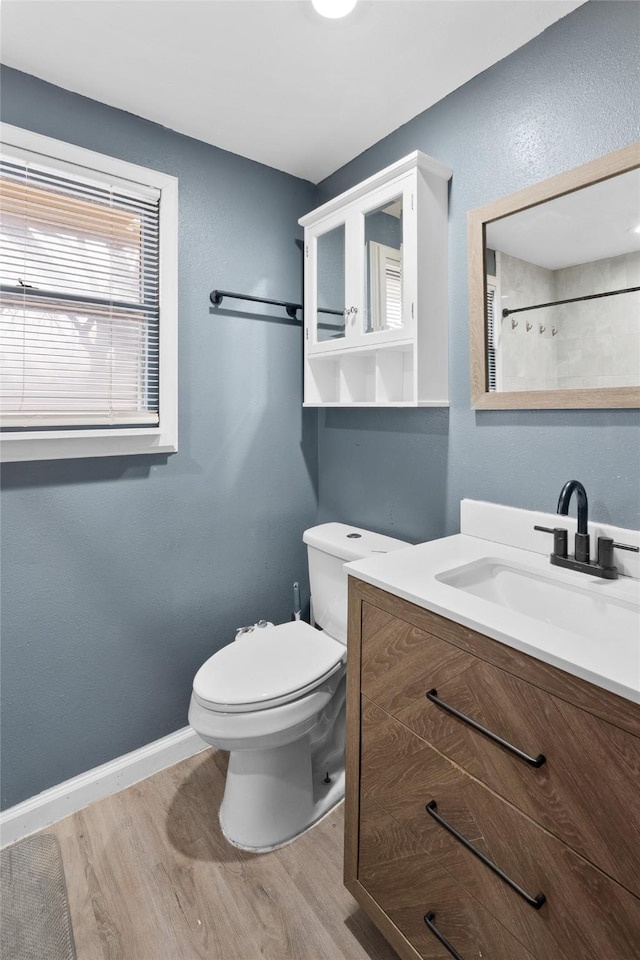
<point x="65" y="445"/>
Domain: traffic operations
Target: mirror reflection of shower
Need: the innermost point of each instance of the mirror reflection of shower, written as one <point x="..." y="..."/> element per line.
<point x="563" y="291"/>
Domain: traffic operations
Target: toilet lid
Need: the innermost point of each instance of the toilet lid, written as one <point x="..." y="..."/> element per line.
<point x="269" y="664"/>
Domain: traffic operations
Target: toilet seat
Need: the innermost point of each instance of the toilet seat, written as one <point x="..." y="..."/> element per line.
<point x="268" y="667"/>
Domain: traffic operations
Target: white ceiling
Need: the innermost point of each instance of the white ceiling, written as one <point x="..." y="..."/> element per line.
<point x="270" y="79"/>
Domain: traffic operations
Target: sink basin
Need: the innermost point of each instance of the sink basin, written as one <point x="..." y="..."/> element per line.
<point x="495" y="578"/>
<point x="582" y="609"/>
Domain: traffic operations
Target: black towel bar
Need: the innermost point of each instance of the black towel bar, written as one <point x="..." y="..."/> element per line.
<point x="217" y="296"/>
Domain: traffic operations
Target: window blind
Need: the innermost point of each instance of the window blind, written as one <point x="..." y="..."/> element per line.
<point x="79" y="299"/>
<point x="384" y="287"/>
<point x="491" y="338"/>
<point x="393" y="277"/>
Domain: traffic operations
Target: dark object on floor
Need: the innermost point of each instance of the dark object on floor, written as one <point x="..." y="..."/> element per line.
<point x="33" y="902"/>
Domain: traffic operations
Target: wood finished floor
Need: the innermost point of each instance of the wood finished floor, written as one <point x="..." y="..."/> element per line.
<point x="150" y="877"/>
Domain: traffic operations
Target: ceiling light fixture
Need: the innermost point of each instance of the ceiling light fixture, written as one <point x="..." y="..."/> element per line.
<point x="334" y="8"/>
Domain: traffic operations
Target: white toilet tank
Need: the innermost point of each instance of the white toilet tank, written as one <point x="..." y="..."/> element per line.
<point x="329" y="546"/>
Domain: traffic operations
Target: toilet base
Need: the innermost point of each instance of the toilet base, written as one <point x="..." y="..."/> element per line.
<point x="272" y="796"/>
<point x="284" y="843"/>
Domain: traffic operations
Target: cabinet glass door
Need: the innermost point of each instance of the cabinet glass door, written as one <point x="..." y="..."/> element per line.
<point x="330" y="285"/>
<point x="383" y="235"/>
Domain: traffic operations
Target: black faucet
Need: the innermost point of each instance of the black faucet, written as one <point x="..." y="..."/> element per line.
<point x="603" y="566"/>
<point x="582" y="536"/>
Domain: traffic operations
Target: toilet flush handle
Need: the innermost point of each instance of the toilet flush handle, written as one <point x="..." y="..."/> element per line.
<point x="260" y="625"/>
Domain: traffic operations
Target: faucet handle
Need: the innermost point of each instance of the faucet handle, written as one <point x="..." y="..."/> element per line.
<point x="627" y="546"/>
<point x="605" y="551"/>
<point x="559" y="539"/>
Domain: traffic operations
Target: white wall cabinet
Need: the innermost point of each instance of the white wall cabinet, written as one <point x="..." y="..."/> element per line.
<point x="376" y="291"/>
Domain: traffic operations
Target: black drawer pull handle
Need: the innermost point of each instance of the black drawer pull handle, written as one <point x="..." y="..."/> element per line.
<point x="535" y="902"/>
<point x="428" y="919"/>
<point x="432" y="695"/>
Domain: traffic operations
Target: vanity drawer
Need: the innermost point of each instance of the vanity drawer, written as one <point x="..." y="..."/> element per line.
<point x="584" y="913"/>
<point x="408" y="885"/>
<point x="595" y="815"/>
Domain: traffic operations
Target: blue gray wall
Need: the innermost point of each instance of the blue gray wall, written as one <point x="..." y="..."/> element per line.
<point x="565" y="98"/>
<point x="122" y="575"/>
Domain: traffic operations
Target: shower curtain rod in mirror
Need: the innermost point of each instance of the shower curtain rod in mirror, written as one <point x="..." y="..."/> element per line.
<point x="556" y="303"/>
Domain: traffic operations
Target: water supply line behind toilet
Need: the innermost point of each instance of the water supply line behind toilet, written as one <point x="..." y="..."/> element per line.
<point x="297" y="610"/>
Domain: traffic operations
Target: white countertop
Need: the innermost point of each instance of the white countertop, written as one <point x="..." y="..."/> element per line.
<point x="611" y="661"/>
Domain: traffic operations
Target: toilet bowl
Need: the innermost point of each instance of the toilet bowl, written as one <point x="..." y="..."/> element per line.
<point x="275" y="699"/>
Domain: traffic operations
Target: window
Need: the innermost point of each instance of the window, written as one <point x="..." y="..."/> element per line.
<point x="385" y="272"/>
<point x="88" y="312"/>
<point x="491" y="334"/>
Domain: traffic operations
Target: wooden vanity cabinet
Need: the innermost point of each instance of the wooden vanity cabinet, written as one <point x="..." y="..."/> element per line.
<point x="533" y="853"/>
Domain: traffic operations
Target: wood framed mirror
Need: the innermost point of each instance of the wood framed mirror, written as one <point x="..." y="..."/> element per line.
<point x="554" y="291"/>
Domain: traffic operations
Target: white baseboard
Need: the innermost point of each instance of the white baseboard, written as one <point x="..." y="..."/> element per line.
<point x="58" y="802"/>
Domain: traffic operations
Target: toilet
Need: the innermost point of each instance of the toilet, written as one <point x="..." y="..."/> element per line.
<point x="275" y="699"/>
